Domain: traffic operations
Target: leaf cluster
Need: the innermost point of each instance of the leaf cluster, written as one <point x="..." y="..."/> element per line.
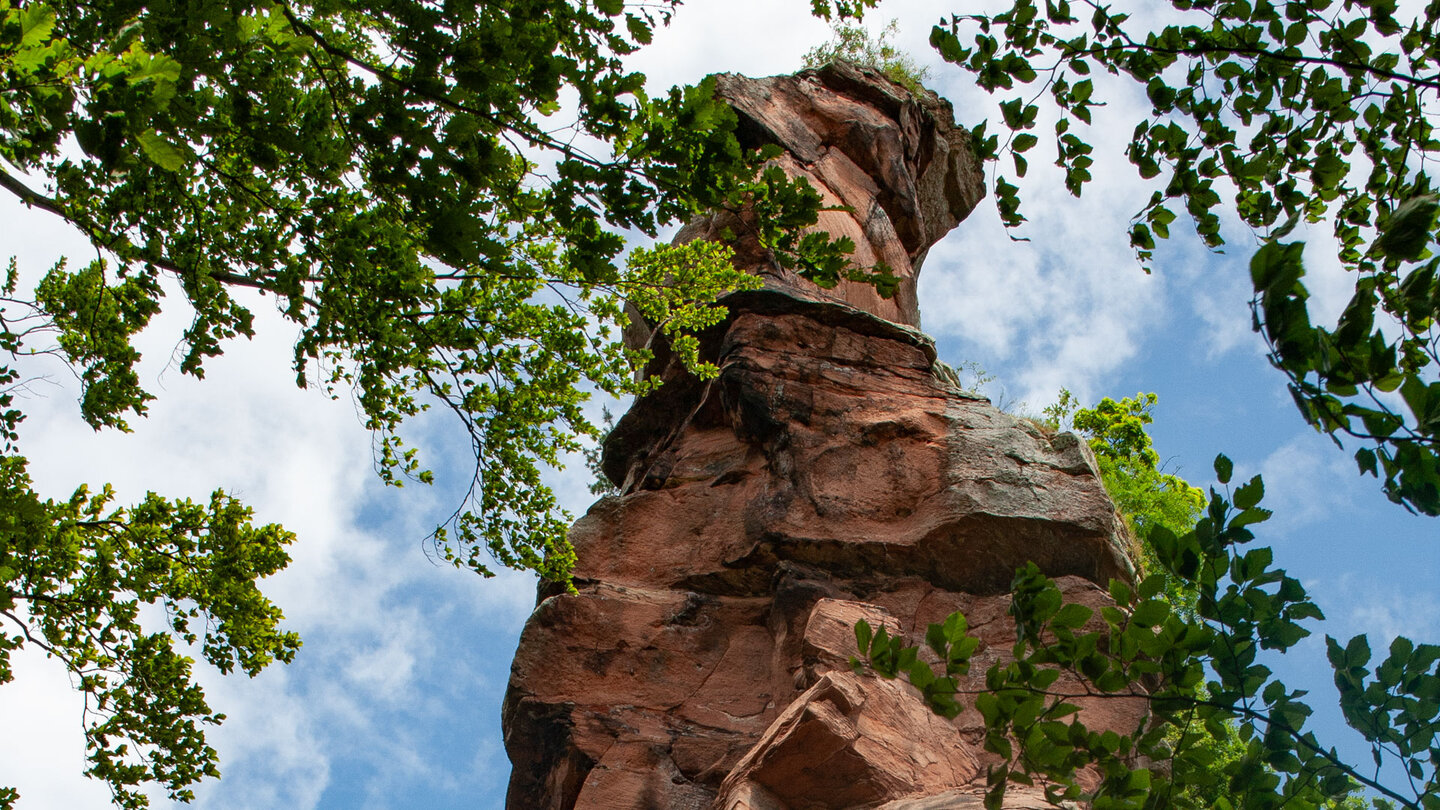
<point x="85" y="582"/>
<point x="1304" y="110"/>
<point x="1143" y="493"/>
<point x="1276" y="105"/>
<point x="1372" y="376"/>
<point x="1201" y="680"/>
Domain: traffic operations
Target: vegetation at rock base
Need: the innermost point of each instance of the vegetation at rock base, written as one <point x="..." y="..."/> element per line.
<point x="1144" y="495"/>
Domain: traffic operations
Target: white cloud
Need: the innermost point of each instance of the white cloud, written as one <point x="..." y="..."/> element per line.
<point x="1384" y="612"/>
<point x="364" y="598"/>
<point x="43" y="751"/>
<point x="1072" y="305"/>
<point x="1306" y="481"/>
<point x="705" y="38"/>
<point x="273" y="753"/>
<point x="1330" y="285"/>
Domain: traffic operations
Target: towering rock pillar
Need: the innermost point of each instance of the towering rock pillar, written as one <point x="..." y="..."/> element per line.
<point x="832" y="472"/>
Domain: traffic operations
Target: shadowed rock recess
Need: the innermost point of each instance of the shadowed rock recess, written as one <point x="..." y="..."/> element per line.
<point x="832" y="472"/>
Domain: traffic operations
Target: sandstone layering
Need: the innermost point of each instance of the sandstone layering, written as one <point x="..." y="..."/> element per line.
<point x="832" y="472"/>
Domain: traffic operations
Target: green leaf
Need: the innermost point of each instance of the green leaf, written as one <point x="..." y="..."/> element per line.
<point x="1408" y="230"/>
<point x="1150" y="612"/>
<point x="955" y="627"/>
<point x="920" y="675"/>
<point x="1012" y="113"/>
<point x="863" y="636"/>
<point x="1250" y="516"/>
<point x="1071" y="616"/>
<point x="37" y="21"/>
<point x="1120" y="592"/>
<point x="1250" y="494"/>
<point x="1224" y="467"/>
<point x="1365" y="459"/>
<point x="168" y="155"/>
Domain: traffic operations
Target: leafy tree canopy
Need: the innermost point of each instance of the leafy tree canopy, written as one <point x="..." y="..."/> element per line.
<point x="433" y="194"/>
<point x="1304" y="110"/>
<point x="386" y="174"/>
<point x="1133" y="474"/>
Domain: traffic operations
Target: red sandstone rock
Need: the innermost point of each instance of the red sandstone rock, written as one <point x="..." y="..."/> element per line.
<point x="897" y="161"/>
<point x="837" y="746"/>
<point x="1017" y="798"/>
<point x="829" y="440"/>
<point x="830" y="473"/>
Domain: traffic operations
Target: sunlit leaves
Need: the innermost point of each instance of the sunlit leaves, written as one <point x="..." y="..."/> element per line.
<point x="75" y="579"/>
<point x="701" y="271"/>
<point x="379" y="171"/>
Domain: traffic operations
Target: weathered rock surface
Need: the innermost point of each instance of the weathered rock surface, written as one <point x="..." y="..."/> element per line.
<point x="830" y="473"/>
<point x="893" y="167"/>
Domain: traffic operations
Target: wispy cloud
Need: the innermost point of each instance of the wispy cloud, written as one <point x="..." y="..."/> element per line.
<point x="1066" y="308"/>
<point x="1306" y="483"/>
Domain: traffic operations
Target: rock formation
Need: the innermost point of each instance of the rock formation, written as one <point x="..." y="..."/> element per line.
<point x="831" y="472"/>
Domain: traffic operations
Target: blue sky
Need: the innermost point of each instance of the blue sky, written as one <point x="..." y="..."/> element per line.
<point x="394" y="700"/>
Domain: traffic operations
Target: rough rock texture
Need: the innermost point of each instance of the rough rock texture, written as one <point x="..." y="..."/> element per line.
<point x="897" y="161"/>
<point x="830" y="473"/>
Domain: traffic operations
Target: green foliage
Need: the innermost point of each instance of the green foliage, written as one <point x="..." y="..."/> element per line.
<point x="1146" y="498"/>
<point x="1117" y="429"/>
<point x="1199" y="677"/>
<point x="374" y="168"/>
<point x="75" y="579"/>
<point x="1340" y="377"/>
<point x="1306" y="110"/>
<point x="852" y="42"/>
<point x="1130" y="468"/>
<point x="705" y="270"/>
<point x="384" y="172"/>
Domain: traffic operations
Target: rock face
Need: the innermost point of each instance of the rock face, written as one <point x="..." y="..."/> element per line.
<point x="906" y="173"/>
<point x="830" y="473"/>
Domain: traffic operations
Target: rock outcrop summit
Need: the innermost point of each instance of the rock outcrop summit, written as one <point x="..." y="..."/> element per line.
<point x="832" y="472"/>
